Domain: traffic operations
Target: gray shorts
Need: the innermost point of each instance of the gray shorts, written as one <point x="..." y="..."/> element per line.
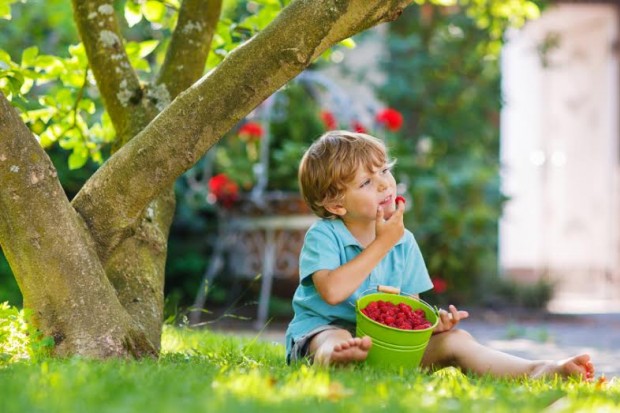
<point x="299" y="349"/>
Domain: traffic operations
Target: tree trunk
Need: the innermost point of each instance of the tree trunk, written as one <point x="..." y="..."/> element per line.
<point x="53" y="256"/>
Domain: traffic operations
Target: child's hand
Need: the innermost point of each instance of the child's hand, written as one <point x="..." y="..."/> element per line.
<point x="448" y="320"/>
<point x="392" y="229"/>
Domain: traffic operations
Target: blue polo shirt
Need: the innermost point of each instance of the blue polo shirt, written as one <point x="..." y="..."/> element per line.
<point x="328" y="244"/>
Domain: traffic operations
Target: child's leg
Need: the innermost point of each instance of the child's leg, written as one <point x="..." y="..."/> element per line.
<point x="338" y="346"/>
<point x="458" y="348"/>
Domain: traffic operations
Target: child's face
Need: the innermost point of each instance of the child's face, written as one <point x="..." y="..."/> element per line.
<point x="369" y="191"/>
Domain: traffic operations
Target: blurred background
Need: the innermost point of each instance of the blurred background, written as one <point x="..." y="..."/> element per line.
<point x="502" y="115"/>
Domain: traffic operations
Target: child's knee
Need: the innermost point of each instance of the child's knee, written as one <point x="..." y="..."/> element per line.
<point x="460" y="336"/>
<point x="455" y="336"/>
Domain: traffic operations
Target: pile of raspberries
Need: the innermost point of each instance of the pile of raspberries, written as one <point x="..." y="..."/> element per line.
<point x="400" y="315"/>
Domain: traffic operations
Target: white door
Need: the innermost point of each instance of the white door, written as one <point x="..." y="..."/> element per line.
<point x="561" y="155"/>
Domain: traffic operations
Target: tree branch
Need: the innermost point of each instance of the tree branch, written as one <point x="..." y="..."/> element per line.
<point x="190" y="45"/>
<point x="116" y="79"/>
<point x="113" y="200"/>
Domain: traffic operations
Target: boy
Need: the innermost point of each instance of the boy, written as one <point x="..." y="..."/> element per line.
<point x="360" y="243"/>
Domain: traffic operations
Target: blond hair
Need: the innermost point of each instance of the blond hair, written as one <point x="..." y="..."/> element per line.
<point x="332" y="162"/>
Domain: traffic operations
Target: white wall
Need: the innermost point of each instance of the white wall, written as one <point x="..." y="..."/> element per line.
<point x="560" y="154"/>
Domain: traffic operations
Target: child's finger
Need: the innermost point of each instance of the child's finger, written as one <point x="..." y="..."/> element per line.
<point x="399" y="210"/>
<point x="454" y="313"/>
<point x="379" y="214"/>
<point x="444" y="316"/>
<point x="457" y="315"/>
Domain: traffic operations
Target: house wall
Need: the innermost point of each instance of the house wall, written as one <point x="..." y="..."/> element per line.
<point x="560" y="156"/>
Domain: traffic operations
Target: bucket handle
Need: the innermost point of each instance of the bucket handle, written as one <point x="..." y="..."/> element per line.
<point x="387" y="289"/>
<point x="395" y="290"/>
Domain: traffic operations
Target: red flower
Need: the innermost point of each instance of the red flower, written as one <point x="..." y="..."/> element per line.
<point x="358" y="127"/>
<point x="391" y="119"/>
<point x="439" y="285"/>
<point x="225" y="190"/>
<point x="329" y="120"/>
<point x="251" y="131"/>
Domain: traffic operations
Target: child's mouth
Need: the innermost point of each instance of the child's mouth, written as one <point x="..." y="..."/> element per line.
<point x="386" y="202"/>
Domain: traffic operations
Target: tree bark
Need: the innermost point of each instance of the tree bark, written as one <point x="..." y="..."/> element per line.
<point x="52" y="254"/>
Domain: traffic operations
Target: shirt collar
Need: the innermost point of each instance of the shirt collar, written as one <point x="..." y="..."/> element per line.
<point x="348" y="238"/>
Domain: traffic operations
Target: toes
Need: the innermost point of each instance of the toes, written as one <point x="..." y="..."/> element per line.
<point x="365" y="343"/>
<point x="345" y="345"/>
<point x="583" y="359"/>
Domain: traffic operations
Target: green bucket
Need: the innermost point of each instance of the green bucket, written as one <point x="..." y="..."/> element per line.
<point x="386" y="355"/>
<point x="393" y="347"/>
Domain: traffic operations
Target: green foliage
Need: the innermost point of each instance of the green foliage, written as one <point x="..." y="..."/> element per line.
<point x="57" y="93"/>
<point x="191" y="250"/>
<point x="202" y="370"/>
<point x="444" y="76"/>
<point x="295" y="124"/>
<point x="292" y="124"/>
<point x="9" y="291"/>
<point x="19" y="341"/>
<point x="506" y="293"/>
<point x="5" y="8"/>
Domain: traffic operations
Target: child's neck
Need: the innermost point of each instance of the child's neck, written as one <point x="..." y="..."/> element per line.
<point x="364" y="232"/>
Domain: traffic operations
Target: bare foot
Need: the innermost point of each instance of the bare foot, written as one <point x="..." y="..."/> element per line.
<point x="578" y="366"/>
<point x="351" y="350"/>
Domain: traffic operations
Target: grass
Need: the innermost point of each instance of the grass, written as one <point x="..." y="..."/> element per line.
<point x="203" y="371"/>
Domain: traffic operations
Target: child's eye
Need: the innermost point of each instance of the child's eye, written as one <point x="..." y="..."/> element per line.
<point x="366" y="182"/>
<point x="386" y="170"/>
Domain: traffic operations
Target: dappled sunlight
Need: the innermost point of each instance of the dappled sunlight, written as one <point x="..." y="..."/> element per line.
<point x="19" y="341"/>
<point x="205" y="371"/>
<point x="303" y="383"/>
<point x="14" y="341"/>
<point x="448" y="387"/>
<point x="221" y="350"/>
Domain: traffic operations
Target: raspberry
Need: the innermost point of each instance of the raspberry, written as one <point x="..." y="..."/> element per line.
<point x="400" y="198"/>
<point x="400" y="316"/>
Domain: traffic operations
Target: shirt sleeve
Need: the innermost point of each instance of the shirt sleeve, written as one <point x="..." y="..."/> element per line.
<point x="320" y="251"/>
<point x="418" y="279"/>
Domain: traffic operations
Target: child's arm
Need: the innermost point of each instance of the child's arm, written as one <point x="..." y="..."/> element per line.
<point x="337" y="285"/>
<point x="447" y="321"/>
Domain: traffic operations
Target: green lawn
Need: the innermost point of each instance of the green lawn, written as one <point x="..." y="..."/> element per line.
<point x="207" y="372"/>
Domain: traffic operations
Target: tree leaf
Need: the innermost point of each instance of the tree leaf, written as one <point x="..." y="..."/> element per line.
<point x="147" y="46"/>
<point x="87" y="105"/>
<point x="78" y="158"/>
<point x="154" y="11"/>
<point x="6" y="59"/>
<point x="5" y="9"/>
<point x="133" y="15"/>
<point x="15" y="83"/>
<point x="79" y="52"/>
<point x="46" y="62"/>
<point x="348" y="43"/>
<point x="29" y="55"/>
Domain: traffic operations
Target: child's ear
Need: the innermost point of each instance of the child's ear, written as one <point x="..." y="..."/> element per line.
<point x="336" y="209"/>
